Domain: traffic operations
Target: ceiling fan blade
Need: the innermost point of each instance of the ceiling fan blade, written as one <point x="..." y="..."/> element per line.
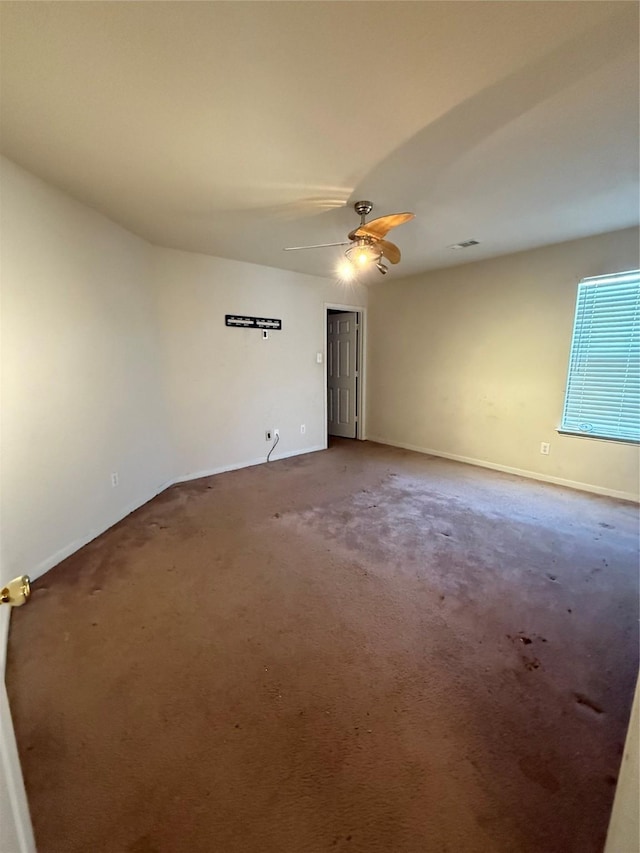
<point x="319" y="246"/>
<point x="390" y="251"/>
<point x="381" y="226"/>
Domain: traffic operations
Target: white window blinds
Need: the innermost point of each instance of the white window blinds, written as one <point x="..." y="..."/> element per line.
<point x="603" y="387"/>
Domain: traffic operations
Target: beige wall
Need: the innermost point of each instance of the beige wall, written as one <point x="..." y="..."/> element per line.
<point x="81" y="395"/>
<point x="471" y="362"/>
<point x="227" y="386"/>
<point x="115" y="358"/>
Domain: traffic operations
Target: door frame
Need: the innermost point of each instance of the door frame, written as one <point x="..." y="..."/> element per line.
<point x="361" y="396"/>
<point x="17" y="808"/>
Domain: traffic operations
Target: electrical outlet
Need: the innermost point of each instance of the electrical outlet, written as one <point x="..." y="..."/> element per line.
<point x="303" y="429"/>
<point x="544" y="448"/>
<point x="114" y="480"/>
<point x="276" y="431"/>
<point x="268" y="435"/>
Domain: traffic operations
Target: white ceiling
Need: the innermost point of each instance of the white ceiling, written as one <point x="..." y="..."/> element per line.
<point x="238" y="128"/>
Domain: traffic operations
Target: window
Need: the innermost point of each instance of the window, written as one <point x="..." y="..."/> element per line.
<point x="603" y="387"/>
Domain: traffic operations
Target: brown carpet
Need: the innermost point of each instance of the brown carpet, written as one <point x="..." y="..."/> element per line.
<point x="359" y="650"/>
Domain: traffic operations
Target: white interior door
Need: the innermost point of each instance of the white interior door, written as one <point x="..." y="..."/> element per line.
<point x="16" y="834"/>
<point x="342" y="373"/>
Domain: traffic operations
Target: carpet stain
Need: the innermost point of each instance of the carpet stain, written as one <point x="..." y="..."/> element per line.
<point x="144" y="844"/>
<point x="584" y="702"/>
<point x="355" y="649"/>
<point x="533" y="767"/>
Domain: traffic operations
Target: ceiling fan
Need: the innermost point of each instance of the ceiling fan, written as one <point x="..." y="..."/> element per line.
<point x="366" y="242"/>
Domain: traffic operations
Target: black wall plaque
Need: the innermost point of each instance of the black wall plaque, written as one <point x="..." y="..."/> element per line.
<point x="240" y="321"/>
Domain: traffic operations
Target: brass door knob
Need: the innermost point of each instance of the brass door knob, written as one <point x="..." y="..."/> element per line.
<point x="16" y="592"/>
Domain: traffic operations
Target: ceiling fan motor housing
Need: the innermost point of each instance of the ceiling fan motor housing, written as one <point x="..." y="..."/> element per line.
<point x="363" y="208"/>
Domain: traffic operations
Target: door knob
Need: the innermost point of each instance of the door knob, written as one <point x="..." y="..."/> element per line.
<point x="16" y="592"/>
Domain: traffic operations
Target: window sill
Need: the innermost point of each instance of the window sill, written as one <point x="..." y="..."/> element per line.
<point x="631" y="441"/>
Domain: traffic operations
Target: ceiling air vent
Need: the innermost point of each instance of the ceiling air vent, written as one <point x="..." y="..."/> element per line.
<point x="464" y="245"/>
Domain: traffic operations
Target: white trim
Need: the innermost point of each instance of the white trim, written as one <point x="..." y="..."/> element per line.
<point x="519" y="472"/>
<point x="10" y="768"/>
<point x="623" y="833"/>
<point x="362" y="358"/>
<point x="236" y="466"/>
<point x="5" y="613"/>
<point x="589" y="435"/>
<point x="62" y="554"/>
<point x="9" y="759"/>
<point x="72" y="547"/>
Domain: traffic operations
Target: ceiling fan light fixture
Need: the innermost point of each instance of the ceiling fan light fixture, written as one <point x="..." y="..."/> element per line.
<point x="367" y="243"/>
<point x="346" y="271"/>
<point x="363" y="252"/>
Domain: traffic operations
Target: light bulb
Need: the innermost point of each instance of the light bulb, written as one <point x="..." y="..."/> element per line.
<point x="345" y="271"/>
<point x="363" y="252"/>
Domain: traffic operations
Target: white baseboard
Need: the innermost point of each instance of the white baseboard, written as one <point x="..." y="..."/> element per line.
<point x="53" y="560"/>
<point x="62" y="554"/>
<point x="236" y="466"/>
<point x="520" y="472"/>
